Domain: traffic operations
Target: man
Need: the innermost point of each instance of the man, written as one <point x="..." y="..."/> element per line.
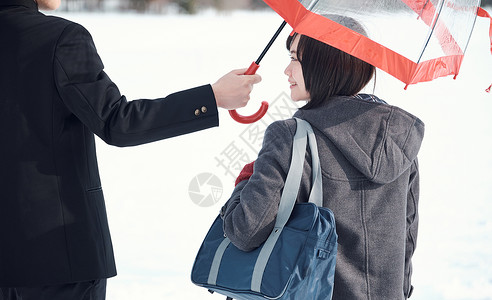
<point x="54" y="96"/>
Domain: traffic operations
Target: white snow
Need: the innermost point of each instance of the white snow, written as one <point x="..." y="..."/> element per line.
<point x="157" y="229"/>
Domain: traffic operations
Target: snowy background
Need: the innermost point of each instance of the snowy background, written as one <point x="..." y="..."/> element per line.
<point x="156" y="226"/>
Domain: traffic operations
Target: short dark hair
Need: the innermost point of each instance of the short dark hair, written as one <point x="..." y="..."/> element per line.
<point x="328" y="71"/>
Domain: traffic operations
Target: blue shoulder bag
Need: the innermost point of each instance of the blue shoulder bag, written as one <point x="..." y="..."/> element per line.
<point x="298" y="259"/>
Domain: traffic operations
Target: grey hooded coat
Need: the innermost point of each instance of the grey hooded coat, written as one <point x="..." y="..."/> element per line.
<point x="368" y="153"/>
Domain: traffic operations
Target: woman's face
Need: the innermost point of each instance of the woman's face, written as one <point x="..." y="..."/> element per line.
<point x="294" y="72"/>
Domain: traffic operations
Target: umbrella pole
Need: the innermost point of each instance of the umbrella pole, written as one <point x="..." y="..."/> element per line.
<point x="256" y="64"/>
<point x="277" y="33"/>
<point x="311" y="5"/>
<point x="252" y="70"/>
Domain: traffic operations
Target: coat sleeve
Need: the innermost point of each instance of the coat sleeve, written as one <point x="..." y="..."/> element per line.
<point x="249" y="215"/>
<point x="412" y="225"/>
<point x="90" y="95"/>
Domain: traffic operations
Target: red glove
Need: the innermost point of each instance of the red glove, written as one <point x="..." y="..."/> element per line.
<point x="246" y="172"/>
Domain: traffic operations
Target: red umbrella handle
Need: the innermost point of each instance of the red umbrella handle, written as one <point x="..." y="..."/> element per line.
<point x="260" y="113"/>
<point x="250" y="119"/>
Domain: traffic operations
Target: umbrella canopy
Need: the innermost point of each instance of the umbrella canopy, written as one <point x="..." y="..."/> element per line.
<point x="423" y="39"/>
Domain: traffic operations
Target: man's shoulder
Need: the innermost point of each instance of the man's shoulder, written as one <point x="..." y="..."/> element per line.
<point x="60" y="24"/>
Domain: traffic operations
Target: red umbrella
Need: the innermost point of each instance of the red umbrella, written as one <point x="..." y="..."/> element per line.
<point x="446" y="26"/>
<point x="431" y="35"/>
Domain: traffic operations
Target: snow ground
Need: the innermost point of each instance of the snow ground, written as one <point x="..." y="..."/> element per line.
<point x="157" y="228"/>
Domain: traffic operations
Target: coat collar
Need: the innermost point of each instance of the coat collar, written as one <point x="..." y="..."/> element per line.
<point x="30" y="4"/>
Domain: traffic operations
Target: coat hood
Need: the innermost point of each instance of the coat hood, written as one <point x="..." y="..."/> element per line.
<point x="379" y="140"/>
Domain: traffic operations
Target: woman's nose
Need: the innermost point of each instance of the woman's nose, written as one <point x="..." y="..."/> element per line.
<point x="287" y="70"/>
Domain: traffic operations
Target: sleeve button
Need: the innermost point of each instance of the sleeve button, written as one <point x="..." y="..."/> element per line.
<point x="197" y="112"/>
<point x="204" y="109"/>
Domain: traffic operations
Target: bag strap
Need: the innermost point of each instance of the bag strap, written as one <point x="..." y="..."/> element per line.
<point x="289" y="195"/>
<point x="316" y="194"/>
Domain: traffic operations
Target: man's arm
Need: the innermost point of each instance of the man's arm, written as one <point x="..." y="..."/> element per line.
<point x="89" y="94"/>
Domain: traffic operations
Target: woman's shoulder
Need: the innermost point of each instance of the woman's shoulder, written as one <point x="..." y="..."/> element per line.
<point x="282" y="127"/>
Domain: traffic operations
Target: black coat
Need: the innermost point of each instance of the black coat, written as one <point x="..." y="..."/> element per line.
<point x="54" y="96"/>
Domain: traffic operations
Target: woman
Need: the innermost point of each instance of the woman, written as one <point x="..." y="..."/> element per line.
<point x="368" y="152"/>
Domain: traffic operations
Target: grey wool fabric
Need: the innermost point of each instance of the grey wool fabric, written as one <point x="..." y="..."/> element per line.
<point x="368" y="153"/>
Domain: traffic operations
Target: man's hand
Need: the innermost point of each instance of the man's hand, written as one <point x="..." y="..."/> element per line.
<point x="232" y="90"/>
